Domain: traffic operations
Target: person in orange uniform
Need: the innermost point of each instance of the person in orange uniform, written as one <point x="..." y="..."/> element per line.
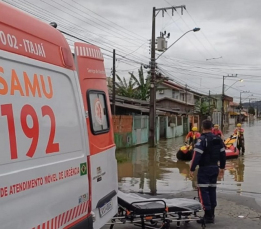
<point x="192" y="136"/>
<point x="241" y="141"/>
<point x="217" y="131"/>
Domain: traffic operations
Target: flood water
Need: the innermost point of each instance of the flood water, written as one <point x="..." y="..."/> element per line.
<point x="146" y="170"/>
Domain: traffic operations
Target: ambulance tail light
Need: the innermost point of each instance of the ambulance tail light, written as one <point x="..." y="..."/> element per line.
<point x="90" y="184"/>
<point x="67" y="57"/>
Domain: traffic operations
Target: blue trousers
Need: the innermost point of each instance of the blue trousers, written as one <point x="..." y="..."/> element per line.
<point x="207" y="185"/>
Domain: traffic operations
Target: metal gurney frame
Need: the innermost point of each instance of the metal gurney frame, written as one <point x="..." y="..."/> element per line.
<point x="153" y="218"/>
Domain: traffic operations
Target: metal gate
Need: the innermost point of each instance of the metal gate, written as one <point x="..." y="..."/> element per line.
<point x="216" y="117"/>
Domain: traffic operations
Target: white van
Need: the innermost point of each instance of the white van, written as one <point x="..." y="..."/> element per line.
<point x="57" y="161"/>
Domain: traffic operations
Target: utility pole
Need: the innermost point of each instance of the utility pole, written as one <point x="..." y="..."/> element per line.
<point x="152" y="116"/>
<point x="223" y="99"/>
<point x="152" y="112"/>
<point x="209" y="103"/>
<point x="186" y="98"/>
<point x="113" y="83"/>
<point x="257" y="109"/>
<point x="222" y="109"/>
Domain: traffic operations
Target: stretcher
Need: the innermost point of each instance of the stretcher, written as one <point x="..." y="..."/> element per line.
<point x="148" y="212"/>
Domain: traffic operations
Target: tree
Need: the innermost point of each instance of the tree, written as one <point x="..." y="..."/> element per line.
<point x="143" y="85"/>
<point x="137" y="87"/>
<point x="251" y="110"/>
<point x="124" y="88"/>
<point x="203" y="107"/>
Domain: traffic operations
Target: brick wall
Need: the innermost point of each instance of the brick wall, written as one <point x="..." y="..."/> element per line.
<point x="122" y="123"/>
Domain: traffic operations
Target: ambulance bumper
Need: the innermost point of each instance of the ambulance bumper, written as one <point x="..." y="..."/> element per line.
<point x="85" y="224"/>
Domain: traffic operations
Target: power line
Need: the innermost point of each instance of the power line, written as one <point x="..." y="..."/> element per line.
<point x="89" y="19"/>
<point x="187" y="37"/>
<point x="190" y="28"/>
<point x="70" y="10"/>
<point x="203" y="34"/>
<point x="47" y="19"/>
<point x="130" y="32"/>
<point x="77" y="38"/>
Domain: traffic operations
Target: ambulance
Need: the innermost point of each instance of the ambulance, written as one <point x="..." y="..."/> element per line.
<point x="57" y="161"/>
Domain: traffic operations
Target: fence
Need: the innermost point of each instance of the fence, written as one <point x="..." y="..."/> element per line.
<point x="140" y="122"/>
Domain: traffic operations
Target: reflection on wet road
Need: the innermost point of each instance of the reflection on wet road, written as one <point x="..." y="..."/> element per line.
<point x="142" y="169"/>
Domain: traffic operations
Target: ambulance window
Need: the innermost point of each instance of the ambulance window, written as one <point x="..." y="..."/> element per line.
<point x="98" y="112"/>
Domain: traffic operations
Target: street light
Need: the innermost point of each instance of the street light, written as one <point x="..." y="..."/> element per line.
<point x="192" y="30"/>
<point x="241" y="80"/>
<point x="242" y="92"/>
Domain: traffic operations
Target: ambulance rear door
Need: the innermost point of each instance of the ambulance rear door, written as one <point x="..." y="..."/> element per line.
<point x="104" y="182"/>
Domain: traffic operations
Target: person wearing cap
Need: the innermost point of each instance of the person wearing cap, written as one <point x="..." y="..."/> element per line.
<point x="192" y="136"/>
<point x="217" y="131"/>
<point x="208" y="151"/>
<point x="239" y="131"/>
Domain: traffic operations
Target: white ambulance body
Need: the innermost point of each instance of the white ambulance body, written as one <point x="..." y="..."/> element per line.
<point x="53" y="173"/>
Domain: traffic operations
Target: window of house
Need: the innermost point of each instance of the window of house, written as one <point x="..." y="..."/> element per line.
<point x="98" y="112"/>
<point x="172" y="119"/>
<point x="175" y="94"/>
<point x="182" y="97"/>
<point x="161" y="91"/>
<point x="179" y="120"/>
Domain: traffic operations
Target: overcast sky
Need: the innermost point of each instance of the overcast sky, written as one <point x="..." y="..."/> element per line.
<point x="229" y="29"/>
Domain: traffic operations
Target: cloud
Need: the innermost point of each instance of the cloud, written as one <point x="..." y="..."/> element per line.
<point x="228" y="28"/>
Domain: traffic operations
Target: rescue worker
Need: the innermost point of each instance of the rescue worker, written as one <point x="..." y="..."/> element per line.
<point x="192" y="136"/>
<point x="209" y="149"/>
<point x="241" y="141"/>
<point x="209" y="118"/>
<point x="217" y="131"/>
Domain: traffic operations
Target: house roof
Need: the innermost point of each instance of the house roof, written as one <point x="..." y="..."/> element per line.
<point x="171" y="85"/>
<point x="175" y="100"/>
<point x="137" y="108"/>
<point x="129" y="100"/>
<point x="232" y="104"/>
<point x="179" y="87"/>
<point x="226" y="97"/>
<point x="169" y="110"/>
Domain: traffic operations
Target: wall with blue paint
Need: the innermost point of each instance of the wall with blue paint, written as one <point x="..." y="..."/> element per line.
<point x="140" y="129"/>
<point x="179" y="131"/>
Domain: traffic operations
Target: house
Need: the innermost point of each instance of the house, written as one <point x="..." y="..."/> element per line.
<point x="175" y="97"/>
<point x="179" y="98"/>
<point x="234" y="109"/>
<point x="227" y="101"/>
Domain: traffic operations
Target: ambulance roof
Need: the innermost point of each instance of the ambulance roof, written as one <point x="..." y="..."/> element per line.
<point x="24" y="26"/>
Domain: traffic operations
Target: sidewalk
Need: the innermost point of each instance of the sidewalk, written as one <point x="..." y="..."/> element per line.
<point x="230" y="207"/>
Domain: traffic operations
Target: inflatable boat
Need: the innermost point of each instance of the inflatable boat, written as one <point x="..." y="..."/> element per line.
<point x="185" y="153"/>
<point x="231" y="147"/>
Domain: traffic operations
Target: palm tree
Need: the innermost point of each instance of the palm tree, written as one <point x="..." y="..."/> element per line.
<point x="124" y="88"/>
<point x="136" y="87"/>
<point x="143" y="85"/>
